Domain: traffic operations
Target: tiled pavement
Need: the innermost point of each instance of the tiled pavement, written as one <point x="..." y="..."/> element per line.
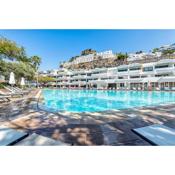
<point x="103" y="128"/>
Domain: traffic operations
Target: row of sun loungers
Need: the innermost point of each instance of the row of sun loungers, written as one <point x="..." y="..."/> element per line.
<point x="12" y="92"/>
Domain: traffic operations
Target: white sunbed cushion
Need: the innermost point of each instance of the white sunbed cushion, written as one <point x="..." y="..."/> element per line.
<point x="38" y="140"/>
<point x="9" y="136"/>
<point x="158" y="134"/>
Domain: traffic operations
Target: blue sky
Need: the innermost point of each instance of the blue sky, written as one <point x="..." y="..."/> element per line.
<point x="59" y="45"/>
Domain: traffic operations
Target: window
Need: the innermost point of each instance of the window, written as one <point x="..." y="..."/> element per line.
<point x="134" y="68"/>
<point x="122" y="84"/>
<point x="134" y="77"/>
<point x="143" y="76"/>
<point x="147" y="69"/>
<point x="106" y="78"/>
<point x="161" y="75"/>
<point x="161" y="66"/>
<point x="95" y="72"/>
<point x="122" y="70"/>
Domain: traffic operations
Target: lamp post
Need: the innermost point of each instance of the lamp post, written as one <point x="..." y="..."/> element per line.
<point x="37" y="79"/>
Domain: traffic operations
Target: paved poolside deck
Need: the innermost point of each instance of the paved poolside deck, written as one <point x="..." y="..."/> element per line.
<point x="102" y="128"/>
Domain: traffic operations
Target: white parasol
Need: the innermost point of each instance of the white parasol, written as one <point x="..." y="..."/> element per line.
<point x="22" y="81"/>
<point x="12" y="78"/>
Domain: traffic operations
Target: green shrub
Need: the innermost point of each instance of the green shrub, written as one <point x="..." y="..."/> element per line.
<point x="1" y="86"/>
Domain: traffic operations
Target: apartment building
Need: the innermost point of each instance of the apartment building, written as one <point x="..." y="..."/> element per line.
<point x="158" y="75"/>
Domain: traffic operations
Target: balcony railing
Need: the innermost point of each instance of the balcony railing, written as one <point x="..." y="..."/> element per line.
<point x="164" y="70"/>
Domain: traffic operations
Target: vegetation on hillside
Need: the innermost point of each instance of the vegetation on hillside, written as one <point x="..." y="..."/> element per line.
<point x="139" y="52"/>
<point x="122" y="56"/>
<point x="168" y="52"/>
<point x="155" y="50"/>
<point x="13" y="58"/>
<point x="88" y="51"/>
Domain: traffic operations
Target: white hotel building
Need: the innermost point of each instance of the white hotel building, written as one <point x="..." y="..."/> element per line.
<point x="159" y="75"/>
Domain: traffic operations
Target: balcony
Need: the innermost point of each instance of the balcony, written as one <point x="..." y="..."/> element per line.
<point x="79" y="77"/>
<point x="165" y="70"/>
<point x="123" y="73"/>
<point x="100" y="75"/>
<point x="63" y="78"/>
<point x="134" y="72"/>
<point x="78" y="83"/>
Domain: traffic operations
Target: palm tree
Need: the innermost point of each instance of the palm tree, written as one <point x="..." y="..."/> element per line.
<point x="36" y="61"/>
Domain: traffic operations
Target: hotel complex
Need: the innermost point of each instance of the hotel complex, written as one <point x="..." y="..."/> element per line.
<point x="142" y="71"/>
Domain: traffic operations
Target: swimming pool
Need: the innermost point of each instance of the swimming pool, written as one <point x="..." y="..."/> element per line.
<point x="98" y="100"/>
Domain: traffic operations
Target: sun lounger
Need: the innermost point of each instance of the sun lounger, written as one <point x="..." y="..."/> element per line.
<point x="157" y="134"/>
<point x="18" y="90"/>
<point x="10" y="136"/>
<point x="2" y="93"/>
<point x="4" y="98"/>
<point x="11" y="93"/>
<point x="26" y="90"/>
<point x="12" y="90"/>
<point x="173" y="88"/>
<point x="38" y="140"/>
<point x="166" y="88"/>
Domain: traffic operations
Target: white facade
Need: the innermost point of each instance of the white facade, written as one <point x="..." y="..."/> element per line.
<point x="140" y="56"/>
<point x="106" y="54"/>
<point x="159" y="74"/>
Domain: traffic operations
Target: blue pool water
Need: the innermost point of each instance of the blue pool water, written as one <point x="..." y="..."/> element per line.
<point x="97" y="100"/>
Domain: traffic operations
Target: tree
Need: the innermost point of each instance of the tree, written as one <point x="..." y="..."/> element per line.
<point x="20" y="63"/>
<point x="20" y="69"/>
<point x="36" y="61"/>
<point x="10" y="50"/>
<point x="155" y="50"/>
<point x="45" y="79"/>
<point x="122" y="56"/>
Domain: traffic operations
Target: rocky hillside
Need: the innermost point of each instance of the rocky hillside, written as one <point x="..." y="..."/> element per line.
<point x="113" y="62"/>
